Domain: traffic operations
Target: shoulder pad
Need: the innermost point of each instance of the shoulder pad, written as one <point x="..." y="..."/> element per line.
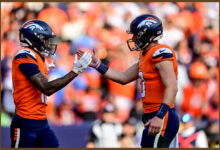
<point x="26" y="51"/>
<point x="165" y="52"/>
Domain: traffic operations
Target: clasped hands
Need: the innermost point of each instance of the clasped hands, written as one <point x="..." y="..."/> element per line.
<point x="85" y="59"/>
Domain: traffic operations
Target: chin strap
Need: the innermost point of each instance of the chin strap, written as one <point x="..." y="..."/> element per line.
<point x="52" y="66"/>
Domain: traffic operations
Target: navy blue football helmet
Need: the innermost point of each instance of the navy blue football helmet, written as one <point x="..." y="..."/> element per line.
<point x="145" y="29"/>
<point x="38" y="35"/>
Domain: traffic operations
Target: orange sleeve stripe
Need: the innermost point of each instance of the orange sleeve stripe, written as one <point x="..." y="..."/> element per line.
<point x="165" y="124"/>
<point x="162" y="59"/>
<point x="15" y="134"/>
<point x="162" y="53"/>
<point x="25" y="60"/>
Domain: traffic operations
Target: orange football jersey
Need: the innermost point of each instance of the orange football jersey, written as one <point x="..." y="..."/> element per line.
<point x="29" y="101"/>
<point x="152" y="88"/>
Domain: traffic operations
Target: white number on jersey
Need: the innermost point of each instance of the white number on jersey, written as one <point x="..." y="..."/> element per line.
<point x="142" y="84"/>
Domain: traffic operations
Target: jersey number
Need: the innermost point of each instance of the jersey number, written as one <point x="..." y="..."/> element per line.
<point x="142" y="84"/>
<point x="43" y="99"/>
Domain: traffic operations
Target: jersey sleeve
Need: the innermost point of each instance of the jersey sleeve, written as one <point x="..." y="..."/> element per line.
<point x="26" y="61"/>
<point x="29" y="69"/>
<point x="162" y="54"/>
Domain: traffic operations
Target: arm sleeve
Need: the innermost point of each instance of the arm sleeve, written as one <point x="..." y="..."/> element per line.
<point x="26" y="61"/>
<point x="162" y="54"/>
<point x="29" y="69"/>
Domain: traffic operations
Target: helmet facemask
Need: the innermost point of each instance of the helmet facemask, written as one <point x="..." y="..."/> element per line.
<point x="48" y="46"/>
<point x="139" y="41"/>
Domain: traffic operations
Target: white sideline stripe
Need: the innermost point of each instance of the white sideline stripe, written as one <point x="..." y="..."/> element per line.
<point x="156" y="140"/>
<point x="18" y="138"/>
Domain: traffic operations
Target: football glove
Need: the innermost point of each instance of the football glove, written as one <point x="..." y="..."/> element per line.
<point x="80" y="65"/>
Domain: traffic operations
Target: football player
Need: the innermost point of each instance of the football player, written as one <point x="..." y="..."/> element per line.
<point x="157" y="70"/>
<point x="29" y="127"/>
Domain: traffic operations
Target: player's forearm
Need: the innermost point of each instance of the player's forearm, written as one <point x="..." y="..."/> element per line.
<point x="57" y="84"/>
<point x="170" y="94"/>
<point x="167" y="101"/>
<point x="116" y="76"/>
<point x="48" y="88"/>
<point x="122" y="77"/>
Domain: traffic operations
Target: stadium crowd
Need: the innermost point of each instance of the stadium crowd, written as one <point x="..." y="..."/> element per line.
<point x="190" y="28"/>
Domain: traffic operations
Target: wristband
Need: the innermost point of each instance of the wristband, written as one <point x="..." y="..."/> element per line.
<point x="162" y="110"/>
<point x="102" y="68"/>
<point x="97" y="63"/>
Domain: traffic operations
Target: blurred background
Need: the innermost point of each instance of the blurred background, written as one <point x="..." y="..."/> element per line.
<point x="77" y="112"/>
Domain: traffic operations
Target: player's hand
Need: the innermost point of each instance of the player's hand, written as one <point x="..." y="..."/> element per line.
<point x="95" y="59"/>
<point x="80" y="65"/>
<point x="154" y="125"/>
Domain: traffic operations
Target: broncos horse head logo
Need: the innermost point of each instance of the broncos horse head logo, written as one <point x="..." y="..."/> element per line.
<point x="147" y="22"/>
<point x="32" y="26"/>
